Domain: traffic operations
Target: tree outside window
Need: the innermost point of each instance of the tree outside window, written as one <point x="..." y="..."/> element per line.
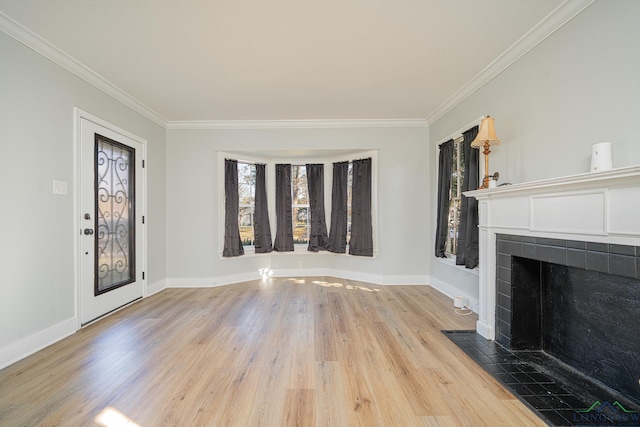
<point x="349" y="199"/>
<point x="300" y="204"/>
<point x="246" y="193"/>
<point x="455" y="197"/>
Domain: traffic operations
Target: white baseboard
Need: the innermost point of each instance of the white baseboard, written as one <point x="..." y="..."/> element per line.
<point x="155" y="287"/>
<point x="33" y="343"/>
<point x="194" y="282"/>
<point x="451" y="291"/>
<point x="406" y="280"/>
<point x="485" y="330"/>
<point x="376" y="279"/>
<point x="208" y="282"/>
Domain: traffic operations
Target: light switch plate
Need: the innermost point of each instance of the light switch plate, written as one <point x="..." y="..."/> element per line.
<point x="60" y="187"/>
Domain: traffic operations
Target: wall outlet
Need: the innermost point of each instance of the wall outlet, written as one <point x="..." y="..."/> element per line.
<point x="300" y="264"/>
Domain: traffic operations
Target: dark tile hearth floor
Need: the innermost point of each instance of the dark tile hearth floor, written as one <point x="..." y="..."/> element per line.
<point x="560" y="396"/>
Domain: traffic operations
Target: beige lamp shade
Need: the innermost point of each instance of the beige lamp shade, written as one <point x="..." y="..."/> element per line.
<point x="487" y="133"/>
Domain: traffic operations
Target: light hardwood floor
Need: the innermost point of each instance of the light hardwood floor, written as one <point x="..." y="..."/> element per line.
<point x="307" y="352"/>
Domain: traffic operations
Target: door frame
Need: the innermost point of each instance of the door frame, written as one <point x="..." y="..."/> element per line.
<point x="141" y="206"/>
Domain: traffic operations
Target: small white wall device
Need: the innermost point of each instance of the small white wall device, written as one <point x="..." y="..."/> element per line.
<point x="601" y="157"/>
<point x="459" y="302"/>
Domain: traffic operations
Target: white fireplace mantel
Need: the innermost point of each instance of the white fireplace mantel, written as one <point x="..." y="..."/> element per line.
<point x="596" y="207"/>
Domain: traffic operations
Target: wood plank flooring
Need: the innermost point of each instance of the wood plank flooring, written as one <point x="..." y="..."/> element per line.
<point x="286" y="352"/>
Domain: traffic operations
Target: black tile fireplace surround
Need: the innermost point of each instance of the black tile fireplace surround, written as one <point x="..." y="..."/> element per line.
<point x="576" y="302"/>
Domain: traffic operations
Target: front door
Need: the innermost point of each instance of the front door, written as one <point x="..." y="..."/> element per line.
<point x="111" y="187"/>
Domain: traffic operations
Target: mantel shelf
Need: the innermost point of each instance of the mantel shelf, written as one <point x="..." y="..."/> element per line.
<point x="583" y="181"/>
<point x="598" y="207"/>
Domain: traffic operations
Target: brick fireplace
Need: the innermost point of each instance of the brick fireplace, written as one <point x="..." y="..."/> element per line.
<point x="577" y="301"/>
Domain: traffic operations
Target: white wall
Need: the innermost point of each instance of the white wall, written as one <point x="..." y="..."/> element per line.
<point x="193" y="198"/>
<point x="579" y="87"/>
<point x="37" y="293"/>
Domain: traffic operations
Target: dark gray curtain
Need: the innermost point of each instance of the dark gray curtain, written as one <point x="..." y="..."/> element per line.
<point x="284" y="219"/>
<point x="318" y="238"/>
<point x="445" y="164"/>
<point x="468" y="246"/>
<point x="338" y="231"/>
<point x="232" y="242"/>
<point x="261" y="225"/>
<point x="361" y="242"/>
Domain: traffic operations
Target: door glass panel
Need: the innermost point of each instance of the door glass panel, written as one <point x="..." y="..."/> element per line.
<point x="115" y="214"/>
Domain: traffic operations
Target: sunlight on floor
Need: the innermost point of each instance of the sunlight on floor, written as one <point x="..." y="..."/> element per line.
<point x="333" y="285"/>
<point x="111" y="417"/>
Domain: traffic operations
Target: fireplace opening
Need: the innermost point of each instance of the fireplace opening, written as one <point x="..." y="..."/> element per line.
<point x="554" y="307"/>
<point x="586" y="319"/>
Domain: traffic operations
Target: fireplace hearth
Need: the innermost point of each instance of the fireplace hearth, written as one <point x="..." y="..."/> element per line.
<point x="577" y="238"/>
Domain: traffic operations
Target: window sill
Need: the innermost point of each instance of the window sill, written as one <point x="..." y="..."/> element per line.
<point x="452" y="263"/>
<point x="299" y="250"/>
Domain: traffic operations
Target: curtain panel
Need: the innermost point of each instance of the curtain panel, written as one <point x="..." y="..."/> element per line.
<point x="261" y="226"/>
<point x="284" y="220"/>
<point x="339" y="195"/>
<point x="318" y="238"/>
<point x="232" y="243"/>
<point x="361" y="242"/>
<point x="468" y="246"/>
<point x="445" y="166"/>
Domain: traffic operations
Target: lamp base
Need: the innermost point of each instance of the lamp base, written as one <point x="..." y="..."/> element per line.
<point x="487" y="179"/>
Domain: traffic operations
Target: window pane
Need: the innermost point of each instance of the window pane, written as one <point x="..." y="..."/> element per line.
<point x="115" y="216"/>
<point x="300" y="204"/>
<point x="349" y="199"/>
<point x="300" y="225"/>
<point x="457" y="174"/>
<point x="246" y="193"/>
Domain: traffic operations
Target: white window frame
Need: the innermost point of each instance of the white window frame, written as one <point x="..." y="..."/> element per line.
<point x="316" y="156"/>
<point x="455" y="198"/>
<point x="456" y="136"/>
<point x="296" y="205"/>
<point x="251" y="206"/>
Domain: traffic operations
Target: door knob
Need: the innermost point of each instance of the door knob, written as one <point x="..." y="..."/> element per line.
<point x="88" y="231"/>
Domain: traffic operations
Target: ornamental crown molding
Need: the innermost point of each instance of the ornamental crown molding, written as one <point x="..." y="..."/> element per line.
<point x="549" y="25"/>
<point x="296" y="124"/>
<point x="552" y="22"/>
<point x="66" y="61"/>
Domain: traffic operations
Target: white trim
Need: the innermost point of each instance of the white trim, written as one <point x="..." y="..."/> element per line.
<point x="400" y="280"/>
<point x="619" y="177"/>
<point x="61" y="58"/>
<point x="27" y="346"/>
<point x="451" y="262"/>
<point x="376" y="279"/>
<point x="452" y="291"/>
<point x="210" y="282"/>
<point x="550" y="24"/>
<point x="195" y="282"/>
<point x="78" y="115"/>
<point x="459" y="132"/>
<point x="299" y="249"/>
<point x="155" y="287"/>
<point x="295" y="124"/>
<point x="499" y="205"/>
<point x="484" y="330"/>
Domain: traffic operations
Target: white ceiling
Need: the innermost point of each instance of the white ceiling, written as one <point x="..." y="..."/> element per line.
<point x="190" y="60"/>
